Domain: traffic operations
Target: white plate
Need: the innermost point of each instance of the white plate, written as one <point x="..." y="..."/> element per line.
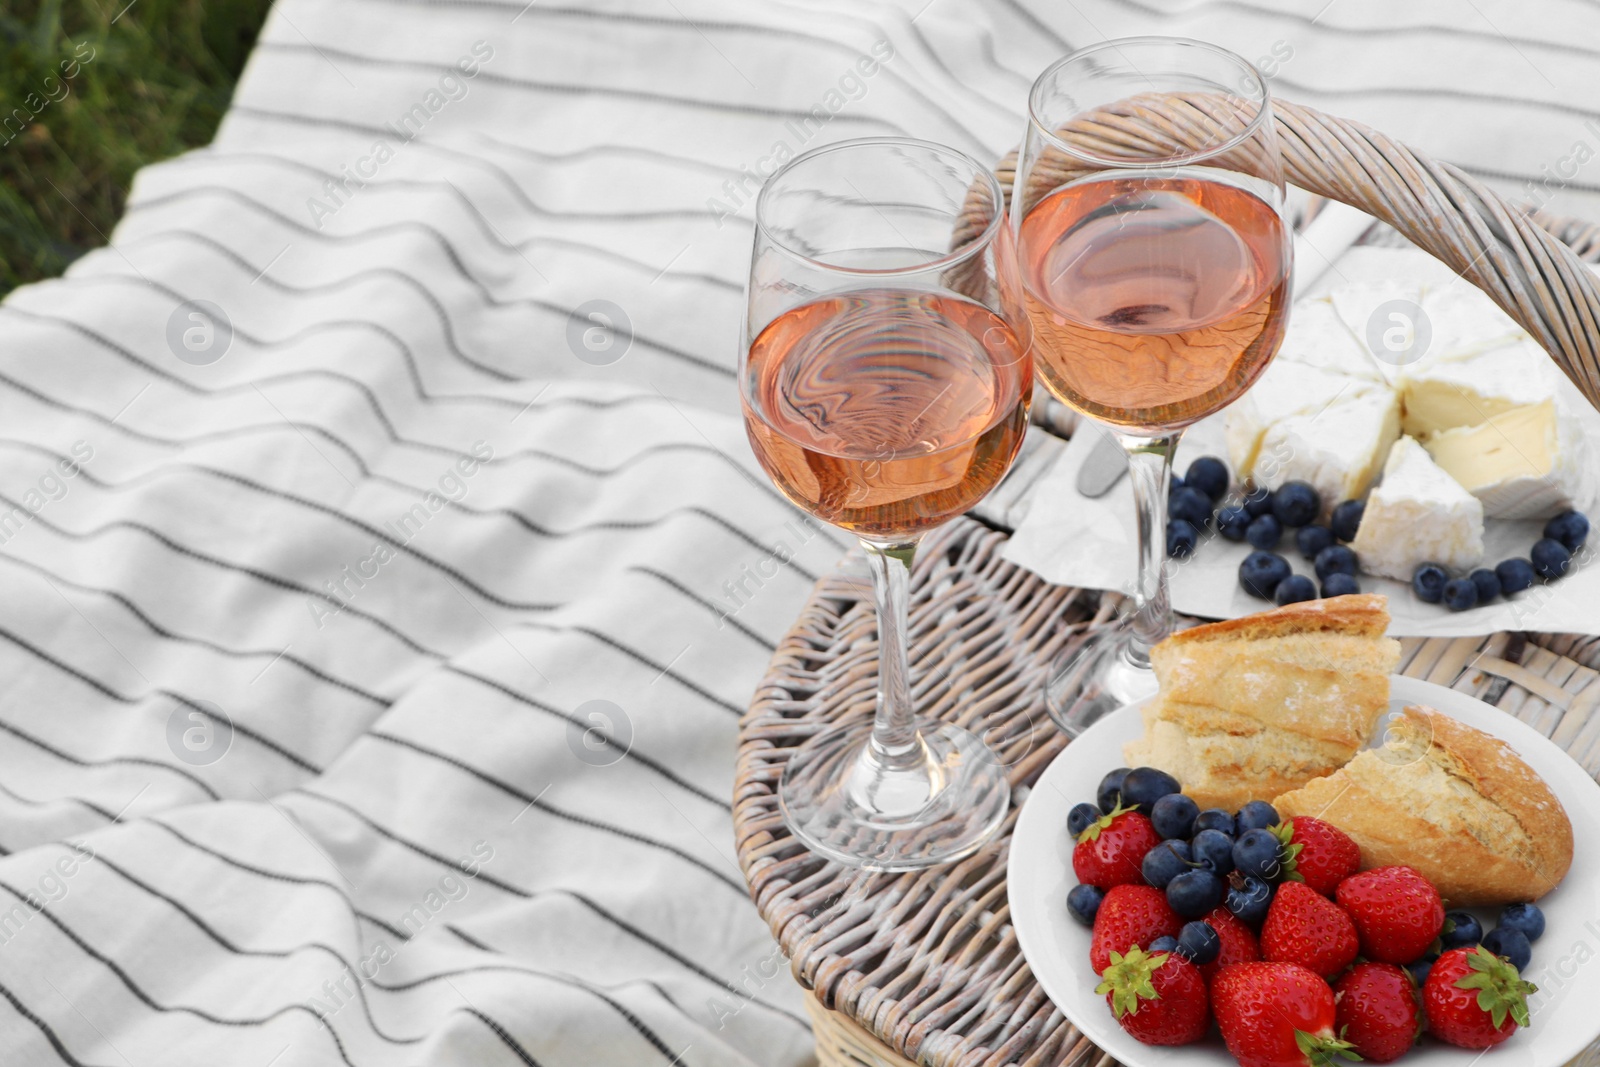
<point x="1566" y="960"/>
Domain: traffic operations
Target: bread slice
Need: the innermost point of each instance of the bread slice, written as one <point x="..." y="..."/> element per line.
<point x="1253" y="707"/>
<point x="1458" y="805"/>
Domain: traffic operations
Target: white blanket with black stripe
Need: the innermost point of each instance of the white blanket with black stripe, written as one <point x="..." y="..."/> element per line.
<point x="391" y="455"/>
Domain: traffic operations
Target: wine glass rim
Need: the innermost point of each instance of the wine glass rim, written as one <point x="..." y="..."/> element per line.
<point x="1121" y="163"/>
<point x="973" y="247"/>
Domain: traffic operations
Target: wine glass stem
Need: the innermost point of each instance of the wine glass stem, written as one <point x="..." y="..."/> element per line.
<point x="1150" y="470"/>
<point x="894" y="731"/>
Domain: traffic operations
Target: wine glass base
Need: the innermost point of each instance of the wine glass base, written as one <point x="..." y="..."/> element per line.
<point x="1096" y="679"/>
<point x="841" y="801"/>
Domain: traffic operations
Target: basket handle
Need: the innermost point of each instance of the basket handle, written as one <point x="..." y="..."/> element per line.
<point x="1473" y="230"/>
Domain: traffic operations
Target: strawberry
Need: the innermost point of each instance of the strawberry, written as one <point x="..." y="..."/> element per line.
<point x="1129" y="916"/>
<point x="1316" y="853"/>
<point x="1475" y="999"/>
<point x="1307" y="928"/>
<point x="1276" y="1015"/>
<point x="1377" y="1012"/>
<point x="1238" y="942"/>
<point x="1160" y="999"/>
<point x="1397" y="912"/>
<point x="1110" y="851"/>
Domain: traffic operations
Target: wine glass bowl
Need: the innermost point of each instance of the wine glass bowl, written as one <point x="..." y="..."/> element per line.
<point x="885" y="378"/>
<point x="1155" y="261"/>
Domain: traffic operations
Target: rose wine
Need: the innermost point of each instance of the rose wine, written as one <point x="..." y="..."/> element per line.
<point x="1154" y="301"/>
<point x="887" y="412"/>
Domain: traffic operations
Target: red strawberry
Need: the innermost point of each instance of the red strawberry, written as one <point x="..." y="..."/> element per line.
<point x="1377" y="1011"/>
<point x="1110" y="851"/>
<point x="1316" y="853"/>
<point x="1160" y="999"/>
<point x="1307" y="928"/>
<point x="1238" y="942"/>
<point x="1130" y="915"/>
<point x="1475" y="999"/>
<point x="1396" y="911"/>
<point x="1276" y="1015"/>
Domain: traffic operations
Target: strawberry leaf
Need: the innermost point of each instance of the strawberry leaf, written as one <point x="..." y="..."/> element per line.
<point x="1501" y="990"/>
<point x="1321" y="1051"/>
<point x="1284" y="832"/>
<point x="1092" y="831"/>
<point x="1128" y="980"/>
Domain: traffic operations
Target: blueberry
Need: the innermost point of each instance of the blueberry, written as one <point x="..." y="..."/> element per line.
<point x="1571" y="528"/>
<point x="1461" y="928"/>
<point x="1163" y="944"/>
<point x="1428" y="582"/>
<point x="1261" y="572"/>
<point x="1213" y="850"/>
<point x="1515" y="575"/>
<point x="1526" y="918"/>
<point x="1258" y="502"/>
<point x="1294" y="589"/>
<point x="1083" y="902"/>
<point x="1312" y="539"/>
<point x="1173" y="485"/>
<point x="1296" y="504"/>
<point x="1502" y="941"/>
<point x="1215" y="819"/>
<point x="1198" y="940"/>
<point x="1550" y="559"/>
<point x="1419" y="969"/>
<point x="1347" y="519"/>
<point x="1143" y="786"/>
<point x="1488" y="585"/>
<point x="1110" y="790"/>
<point x="1249" y="901"/>
<point x="1195" y="893"/>
<point x="1190" y="505"/>
<point x="1256" y="815"/>
<point x="1232" y="521"/>
<point x="1165" y="862"/>
<point x="1209" y="475"/>
<point x="1173" y="816"/>
<point x="1336" y="559"/>
<point x="1264" y="532"/>
<point x="1340" y="584"/>
<point x="1181" y="538"/>
<point x="1460" y="594"/>
<point x="1258" y="854"/>
<point x="1081" y="817"/>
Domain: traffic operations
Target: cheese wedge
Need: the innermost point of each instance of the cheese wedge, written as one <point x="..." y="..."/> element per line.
<point x="1523" y="463"/>
<point x="1465" y="389"/>
<point x="1286" y="389"/>
<point x="1418" y="514"/>
<point x="1337" y="447"/>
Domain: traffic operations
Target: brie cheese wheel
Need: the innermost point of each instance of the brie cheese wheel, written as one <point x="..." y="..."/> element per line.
<point x="1338" y="445"/>
<point x="1523" y="463"/>
<point x="1318" y="337"/>
<point x="1418" y="514"/>
<point x="1463" y="321"/>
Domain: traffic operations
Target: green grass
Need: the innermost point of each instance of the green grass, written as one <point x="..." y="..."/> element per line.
<point x="87" y="96"/>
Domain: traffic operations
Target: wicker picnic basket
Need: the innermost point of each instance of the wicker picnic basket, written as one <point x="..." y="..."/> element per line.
<point x="924" y="967"/>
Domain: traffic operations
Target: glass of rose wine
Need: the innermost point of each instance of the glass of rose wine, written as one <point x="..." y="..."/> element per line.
<point x="1148" y="207"/>
<point x="885" y="381"/>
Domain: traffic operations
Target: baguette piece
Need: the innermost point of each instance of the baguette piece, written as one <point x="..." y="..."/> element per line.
<point x="1253" y="707"/>
<point x="1455" y="803"/>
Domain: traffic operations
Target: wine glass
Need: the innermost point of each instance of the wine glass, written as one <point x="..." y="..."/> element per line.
<point x="885" y="381"/>
<point x="1148" y="207"/>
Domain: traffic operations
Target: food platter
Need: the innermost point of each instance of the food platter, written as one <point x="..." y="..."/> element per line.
<point x="1566" y="962"/>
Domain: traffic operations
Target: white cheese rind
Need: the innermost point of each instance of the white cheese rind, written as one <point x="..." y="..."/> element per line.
<point x="1338" y="447"/>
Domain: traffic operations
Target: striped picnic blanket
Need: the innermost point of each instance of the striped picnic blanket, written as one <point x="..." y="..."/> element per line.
<point x="382" y="567"/>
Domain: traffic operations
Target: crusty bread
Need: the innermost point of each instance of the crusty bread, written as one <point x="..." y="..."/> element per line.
<point x="1253" y="707"/>
<point x="1458" y="805"/>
